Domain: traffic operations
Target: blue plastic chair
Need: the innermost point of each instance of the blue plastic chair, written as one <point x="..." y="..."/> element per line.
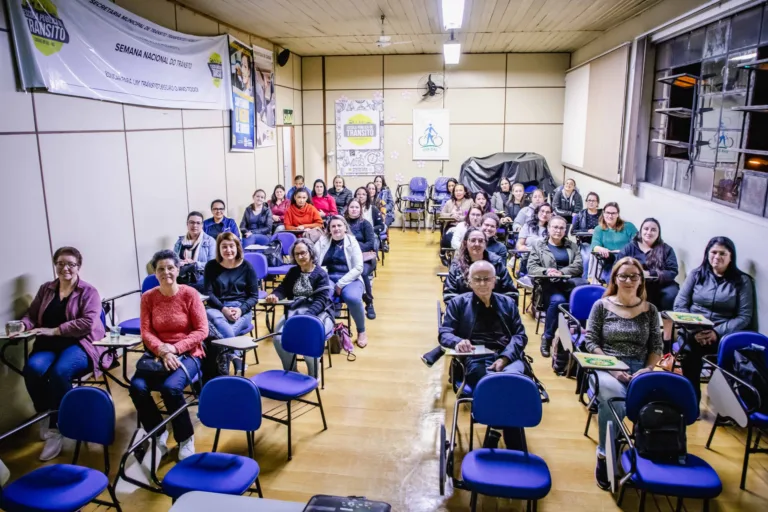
<point x="726" y="392"/>
<point x="226" y="403"/>
<point x="438" y="195"/>
<point x="414" y="202"/>
<point x="303" y="335"/>
<point x="694" y="478"/>
<point x="86" y="414"/>
<point x="502" y="401"/>
<point x="133" y="325"/>
<point x="286" y="240"/>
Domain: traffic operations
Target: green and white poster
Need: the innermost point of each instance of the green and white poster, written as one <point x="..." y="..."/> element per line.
<point x="431" y="134"/>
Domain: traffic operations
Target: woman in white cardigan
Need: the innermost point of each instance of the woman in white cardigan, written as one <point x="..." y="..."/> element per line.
<point x="339" y="253"/>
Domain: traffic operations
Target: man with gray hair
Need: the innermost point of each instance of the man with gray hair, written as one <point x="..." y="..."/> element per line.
<point x="482" y="317"/>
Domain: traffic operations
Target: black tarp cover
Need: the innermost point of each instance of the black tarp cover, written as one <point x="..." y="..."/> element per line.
<point x="486" y="172"/>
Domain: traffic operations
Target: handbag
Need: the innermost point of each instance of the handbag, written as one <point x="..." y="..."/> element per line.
<point x="151" y="364"/>
<point x="189" y="274"/>
<point x="345" y="340"/>
<point x="667" y="364"/>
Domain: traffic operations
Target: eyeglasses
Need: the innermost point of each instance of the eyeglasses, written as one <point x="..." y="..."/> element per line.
<point x="66" y="264"/>
<point x="194" y="223"/>
<point x="610" y="213"/>
<point x="482" y="280"/>
<point x="628" y="277"/>
<point x="301" y="254"/>
<point x="591" y="200"/>
<point x="476" y="241"/>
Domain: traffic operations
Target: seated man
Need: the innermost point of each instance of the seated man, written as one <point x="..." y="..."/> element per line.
<point x="483" y="317"/>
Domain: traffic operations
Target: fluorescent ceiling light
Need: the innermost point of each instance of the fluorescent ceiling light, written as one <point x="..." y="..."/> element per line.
<point x="453" y="12"/>
<point x="452" y="52"/>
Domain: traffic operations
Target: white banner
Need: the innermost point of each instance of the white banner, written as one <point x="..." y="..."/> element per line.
<point x="359" y="136"/>
<point x="95" y="49"/>
<point x="431" y="134"/>
<point x="266" y="104"/>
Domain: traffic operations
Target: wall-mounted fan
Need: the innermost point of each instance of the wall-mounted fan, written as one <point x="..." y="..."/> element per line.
<point x="384" y="40"/>
<point x="431" y="86"/>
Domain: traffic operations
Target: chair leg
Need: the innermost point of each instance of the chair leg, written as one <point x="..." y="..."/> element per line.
<point x="705" y="507"/>
<point x="112" y="495"/>
<point x="322" y="412"/>
<point x="290" y="454"/>
<point x="473" y="502"/>
<point x="746" y="458"/>
<point x="621" y="495"/>
<point x="712" y="433"/>
<point x="216" y="440"/>
<point x="679" y="506"/>
<point x="641" y="508"/>
<point x="258" y="488"/>
<point x="328" y="346"/>
<point x="322" y="372"/>
<point x="256" y="355"/>
<point x="589" y="420"/>
<point x="106" y="383"/>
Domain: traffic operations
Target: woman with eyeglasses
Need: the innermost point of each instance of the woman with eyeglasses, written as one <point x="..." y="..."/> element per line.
<point x="610" y="236"/>
<point x="194" y="249"/>
<point x="308" y="286"/>
<point x="720" y="291"/>
<point x="481" y="199"/>
<point x="567" y="201"/>
<point x="490" y="225"/>
<point x="584" y="224"/>
<point x="65" y="317"/>
<point x="256" y="225"/>
<point x="278" y="205"/>
<point x="502" y="196"/>
<point x="555" y="257"/>
<point x="625" y="325"/>
<point x="341" y="194"/>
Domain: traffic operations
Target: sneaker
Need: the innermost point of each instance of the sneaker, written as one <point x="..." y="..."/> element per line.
<point x="45" y="428"/>
<point x="426" y="361"/>
<point x="370" y="313"/>
<point x="545" y="347"/>
<point x="162" y="444"/>
<point x="601" y="474"/>
<point x="187" y="448"/>
<point x="53" y="445"/>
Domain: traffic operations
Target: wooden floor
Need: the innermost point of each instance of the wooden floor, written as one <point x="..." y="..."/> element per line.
<point x="384" y="411"/>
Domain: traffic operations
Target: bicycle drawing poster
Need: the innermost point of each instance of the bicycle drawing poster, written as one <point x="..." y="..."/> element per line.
<point x="431" y="134"/>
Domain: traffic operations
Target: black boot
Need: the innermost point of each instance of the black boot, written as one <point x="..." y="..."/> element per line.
<point x="601" y="474"/>
<point x="432" y="356"/>
<point x="545" y="345"/>
<point x="492" y="441"/>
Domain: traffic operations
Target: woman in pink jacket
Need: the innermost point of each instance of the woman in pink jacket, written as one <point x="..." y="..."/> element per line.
<point x="65" y="317"/>
<point x="322" y="200"/>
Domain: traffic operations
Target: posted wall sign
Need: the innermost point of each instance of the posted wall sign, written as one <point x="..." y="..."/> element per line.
<point x="431" y="134"/>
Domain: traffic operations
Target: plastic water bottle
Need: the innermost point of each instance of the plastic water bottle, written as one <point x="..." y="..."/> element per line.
<point x="114" y="333"/>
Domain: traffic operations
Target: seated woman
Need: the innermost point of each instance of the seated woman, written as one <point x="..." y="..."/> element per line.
<point x="384" y="199"/>
<point x="473" y="248"/>
<point x="339" y="252"/>
<point x="537" y="198"/>
<point x="481" y="199"/>
<point x="533" y="231"/>
<point x="308" y="286"/>
<point x="501" y="197"/>
<point x="194" y="249"/>
<point x="173" y="327"/>
<point x="585" y="222"/>
<point x="370" y="213"/>
<point x="611" y="235"/>
<point x="449" y="186"/>
<point x="490" y="225"/>
<point x="621" y="324"/>
<point x="472" y="219"/>
<point x="278" y="205"/>
<point x="233" y="290"/>
<point x="458" y="204"/>
<point x="556" y="256"/>
<point x="301" y="215"/>
<point x="660" y="265"/>
<point x="363" y="232"/>
<point x="721" y="292"/>
<point x="322" y="200"/>
<point x="515" y="204"/>
<point x="65" y="316"/>
<point x="341" y="194"/>
<point x="370" y="187"/>
<point x="256" y="225"/>
<point x="567" y="201"/>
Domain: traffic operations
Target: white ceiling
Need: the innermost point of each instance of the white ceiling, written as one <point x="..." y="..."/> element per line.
<point x="342" y="27"/>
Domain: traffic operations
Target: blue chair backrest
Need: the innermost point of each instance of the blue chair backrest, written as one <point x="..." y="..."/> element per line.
<point x="230" y="403"/>
<point x="441" y="185"/>
<point x="418" y="185"/>
<point x="662" y="387"/>
<point x="259" y="263"/>
<point x="507" y="400"/>
<point x="149" y="282"/>
<point x="286" y="239"/>
<point x="530" y="188"/>
<point x="734" y="341"/>
<point x="583" y="298"/>
<point x="88" y="414"/>
<point x="304" y="335"/>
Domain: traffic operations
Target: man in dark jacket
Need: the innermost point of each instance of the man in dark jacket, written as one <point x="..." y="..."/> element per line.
<point x="485" y="318"/>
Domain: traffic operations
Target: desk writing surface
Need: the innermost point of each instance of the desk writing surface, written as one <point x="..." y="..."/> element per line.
<point x="237" y="342"/>
<point x="281" y="302"/>
<point x="198" y="501"/>
<point x="255" y="247"/>
<point x="599" y="362"/>
<point x="480" y="350"/>
<point x="125" y="340"/>
<point x="688" y="319"/>
<point x="17" y="336"/>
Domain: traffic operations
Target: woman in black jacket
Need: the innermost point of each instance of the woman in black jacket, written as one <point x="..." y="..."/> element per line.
<point x="567" y="201"/>
<point x="363" y="232"/>
<point x="256" y="225"/>
<point x="722" y="293"/>
<point x="584" y="224"/>
<point x="341" y="194"/>
<point x="307" y="284"/>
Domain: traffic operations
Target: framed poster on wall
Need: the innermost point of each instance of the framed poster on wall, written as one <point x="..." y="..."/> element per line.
<point x="359" y="137"/>
<point x="431" y="134"/>
<point x="265" y="97"/>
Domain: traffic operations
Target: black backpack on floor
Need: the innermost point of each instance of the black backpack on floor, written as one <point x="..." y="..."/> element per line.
<point x="660" y="433"/>
<point x="749" y="364"/>
<point x="274" y="253"/>
<point x="560" y="358"/>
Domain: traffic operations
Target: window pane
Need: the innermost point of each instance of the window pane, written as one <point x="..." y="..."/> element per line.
<point x="707" y="150"/>
<point x="733" y="119"/>
<point x="701" y="182"/>
<point x="737" y="78"/>
<point x="764" y="33"/>
<point x="654" y="170"/>
<point x="716" y="39"/>
<point x="745" y="29"/>
<point x="679" y="50"/>
<point x="713" y="75"/>
<point x="726" y="186"/>
<point x="711" y="118"/>
<point x="753" y="193"/>
<point x="664" y="56"/>
<point x="695" y="46"/>
<point x="670" y="173"/>
<point x="683" y="181"/>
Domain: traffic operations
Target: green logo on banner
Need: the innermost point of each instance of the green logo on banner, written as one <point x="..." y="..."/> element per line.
<point x="217" y="70"/>
<point x="47" y="29"/>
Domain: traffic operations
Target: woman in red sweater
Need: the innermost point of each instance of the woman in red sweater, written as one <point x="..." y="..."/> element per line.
<point x="173" y="327"/>
<point x="322" y="200"/>
<point x="301" y="214"/>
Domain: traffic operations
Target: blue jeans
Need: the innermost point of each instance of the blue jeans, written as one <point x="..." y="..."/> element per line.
<point x="255" y="240"/>
<point x="219" y="327"/>
<point x="48" y="376"/>
<point x="171" y="388"/>
<point x="610" y="387"/>
<point x="550" y="322"/>
<point x="352" y="296"/>
<point x="585" y="255"/>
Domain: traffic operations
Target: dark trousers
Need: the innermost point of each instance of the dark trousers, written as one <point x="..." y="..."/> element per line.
<point x="368" y="268"/>
<point x="49" y="372"/>
<point x="662" y="295"/>
<point x="691" y="362"/>
<point x="171" y="388"/>
<point x="556" y="293"/>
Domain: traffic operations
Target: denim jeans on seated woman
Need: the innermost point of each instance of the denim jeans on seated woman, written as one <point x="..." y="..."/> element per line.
<point x="610" y="387"/>
<point x="219" y="327"/>
<point x="287" y="357"/>
<point x="352" y="296"/>
<point x="255" y="240"/>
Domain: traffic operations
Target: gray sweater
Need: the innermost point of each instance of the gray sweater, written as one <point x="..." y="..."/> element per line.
<point x="631" y="338"/>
